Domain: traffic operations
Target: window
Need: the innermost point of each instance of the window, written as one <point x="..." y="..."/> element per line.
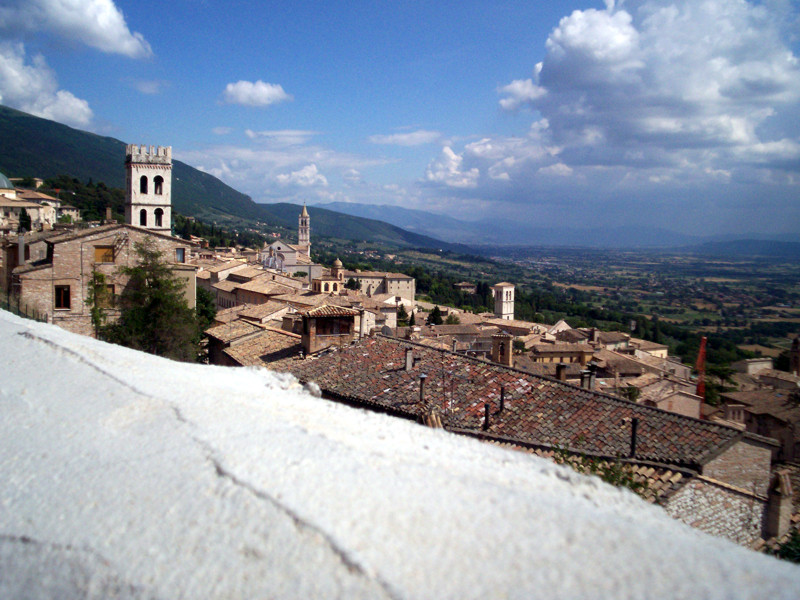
<point x="143" y="218"/>
<point x="326" y="287"/>
<point x="158" y="185"/>
<point x="159" y="214"/>
<point x="104" y="254"/>
<point x="62" y="297"/>
<point x="143" y="184"/>
<point x="180" y="255"/>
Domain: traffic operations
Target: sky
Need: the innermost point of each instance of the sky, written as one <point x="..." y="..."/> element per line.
<point x="677" y="114"/>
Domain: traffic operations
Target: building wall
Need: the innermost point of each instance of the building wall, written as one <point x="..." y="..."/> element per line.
<point x="682" y="404"/>
<point x="718" y="510"/>
<point x="141" y="161"/>
<point x="72" y="264"/>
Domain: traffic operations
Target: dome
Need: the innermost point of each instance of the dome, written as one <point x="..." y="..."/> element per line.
<point x="337" y="264"/>
<point x="5" y="184"/>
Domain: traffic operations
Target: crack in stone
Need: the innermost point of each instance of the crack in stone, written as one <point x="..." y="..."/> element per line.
<point x="350" y="563"/>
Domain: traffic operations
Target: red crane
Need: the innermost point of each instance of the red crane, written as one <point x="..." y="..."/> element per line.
<point x="700" y="367"/>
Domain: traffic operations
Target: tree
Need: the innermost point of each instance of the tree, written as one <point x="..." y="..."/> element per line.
<point x="154" y="316"/>
<point x="24" y="221"/>
<point x="352" y="284"/>
<point x="98" y="298"/>
<point x="206" y="308"/>
<point x="412" y="320"/>
<point x="402" y="316"/>
<point x="435" y="318"/>
<point x="452" y="319"/>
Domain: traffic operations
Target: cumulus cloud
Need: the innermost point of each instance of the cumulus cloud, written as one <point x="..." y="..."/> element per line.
<point x="305" y="177"/>
<point x="32" y="87"/>
<point x="672" y="99"/>
<point x="449" y="170"/>
<point x="521" y="92"/>
<point x="96" y="23"/>
<point x="258" y="93"/>
<point x="414" y="138"/>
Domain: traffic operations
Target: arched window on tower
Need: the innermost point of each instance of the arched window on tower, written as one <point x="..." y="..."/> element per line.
<point x="159" y="214"/>
<point x="158" y="185"/>
<point x="143" y="184"/>
<point x="143" y="218"/>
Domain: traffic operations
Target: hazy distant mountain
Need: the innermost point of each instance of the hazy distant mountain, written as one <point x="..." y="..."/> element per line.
<point x="501" y="232"/>
<point x="748" y="248"/>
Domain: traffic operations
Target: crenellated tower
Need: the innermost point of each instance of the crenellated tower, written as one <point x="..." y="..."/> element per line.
<point x="148" y="190"/>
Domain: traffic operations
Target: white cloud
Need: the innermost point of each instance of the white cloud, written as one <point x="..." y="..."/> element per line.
<point x="415" y="138"/>
<point x="521" y="92"/>
<point x="282" y="137"/>
<point x="257" y="93"/>
<point x="96" y="23"/>
<point x="448" y="170"/>
<point x="305" y="177"/>
<point x="33" y="88"/>
<point x="221" y="130"/>
<point x="148" y="87"/>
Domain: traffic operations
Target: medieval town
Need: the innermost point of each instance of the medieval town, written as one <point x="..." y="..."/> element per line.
<point x="363" y="338"/>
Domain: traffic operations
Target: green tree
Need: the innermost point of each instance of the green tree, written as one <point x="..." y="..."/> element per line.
<point x="402" y="316"/>
<point x="412" y="320"/>
<point x="24" y="221"/>
<point x="206" y="308"/>
<point x="452" y="319"/>
<point x="99" y="299"/>
<point x="352" y="284"/>
<point x="435" y="318"/>
<point x="154" y="316"/>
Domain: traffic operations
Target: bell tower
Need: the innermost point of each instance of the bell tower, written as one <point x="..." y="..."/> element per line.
<point x="304" y="231"/>
<point x="503" y="300"/>
<point x="148" y="187"/>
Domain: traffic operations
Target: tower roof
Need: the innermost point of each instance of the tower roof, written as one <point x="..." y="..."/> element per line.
<point x="305" y="212"/>
<point x="5" y="184"/>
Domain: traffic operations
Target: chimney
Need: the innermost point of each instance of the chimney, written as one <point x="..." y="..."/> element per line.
<point x="422" y="379"/>
<point x="634" y="427"/>
<point x="595" y="335"/>
<point x="21" y="248"/>
<point x="455" y="342"/>
<point x="108" y="214"/>
<point x="592" y="374"/>
<point x="486" y="417"/>
<point x="584" y="378"/>
<point x="561" y="371"/>
<point x="409" y="359"/>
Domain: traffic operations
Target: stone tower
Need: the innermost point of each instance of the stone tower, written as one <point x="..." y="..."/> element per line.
<point x="304" y="231"/>
<point x="148" y="190"/>
<point x="503" y="300"/>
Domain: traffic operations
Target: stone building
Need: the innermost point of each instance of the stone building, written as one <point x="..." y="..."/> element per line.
<point x="503" y="300"/>
<point x="148" y="187"/>
<point x="373" y="283"/>
<point x="52" y="271"/>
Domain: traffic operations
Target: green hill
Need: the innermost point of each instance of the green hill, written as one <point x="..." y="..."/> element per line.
<point x="35" y="147"/>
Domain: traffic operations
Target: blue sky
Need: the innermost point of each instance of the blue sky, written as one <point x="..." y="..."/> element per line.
<point x="678" y="114"/>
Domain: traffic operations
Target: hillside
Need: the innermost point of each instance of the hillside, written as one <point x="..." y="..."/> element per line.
<point x="43" y="148"/>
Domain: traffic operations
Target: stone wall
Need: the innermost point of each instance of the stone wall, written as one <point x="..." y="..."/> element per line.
<point x="719" y="510"/>
<point x="744" y="465"/>
<point x="73" y="262"/>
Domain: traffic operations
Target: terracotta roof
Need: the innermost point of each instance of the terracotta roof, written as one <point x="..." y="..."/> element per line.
<point x="228" y="332"/>
<point x="259" y="312"/>
<point x="538" y="411"/>
<point x="328" y="310"/>
<point x="375" y="274"/>
<point x="269" y="345"/>
<point x="225" y="285"/>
